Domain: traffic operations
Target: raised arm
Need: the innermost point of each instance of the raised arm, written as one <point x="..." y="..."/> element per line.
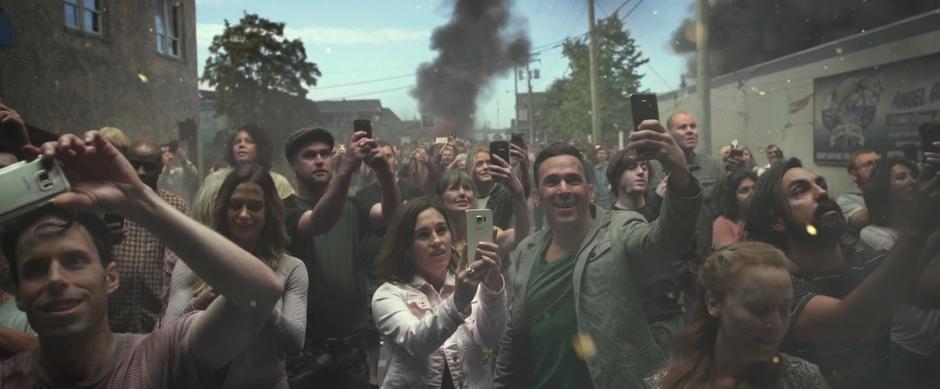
<point x="865" y="310"/>
<point x="391" y="195"/>
<point x="489" y="306"/>
<point x="502" y="173"/>
<point x="327" y="212"/>
<point x="13" y="134"/>
<point x="104" y="181"/>
<point x="418" y="337"/>
<point x="672" y="233"/>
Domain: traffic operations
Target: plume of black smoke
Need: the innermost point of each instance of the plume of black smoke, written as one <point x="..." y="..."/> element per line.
<point x="749" y="32"/>
<point x="480" y="41"/>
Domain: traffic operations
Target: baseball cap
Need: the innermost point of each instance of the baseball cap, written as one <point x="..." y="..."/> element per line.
<point x="305" y="136"/>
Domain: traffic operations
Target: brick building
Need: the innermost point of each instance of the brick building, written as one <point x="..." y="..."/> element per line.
<point x="71" y="65"/>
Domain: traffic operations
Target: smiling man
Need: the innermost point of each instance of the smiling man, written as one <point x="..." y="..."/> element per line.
<point x="63" y="271"/>
<point x="577" y="320"/>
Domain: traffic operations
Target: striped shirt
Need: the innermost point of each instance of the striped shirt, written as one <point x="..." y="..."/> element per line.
<point x="859" y="364"/>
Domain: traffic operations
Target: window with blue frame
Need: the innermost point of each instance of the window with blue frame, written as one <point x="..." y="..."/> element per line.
<point x="84" y="15"/>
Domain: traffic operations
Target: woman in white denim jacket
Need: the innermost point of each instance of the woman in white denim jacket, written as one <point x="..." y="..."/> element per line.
<point x="439" y="327"/>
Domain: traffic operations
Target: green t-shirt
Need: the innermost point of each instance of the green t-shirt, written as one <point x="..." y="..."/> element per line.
<point x="551" y="359"/>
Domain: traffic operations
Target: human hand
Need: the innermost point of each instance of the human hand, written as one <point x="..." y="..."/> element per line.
<point x="102" y="180"/>
<point x="357" y="150"/>
<point x="469" y="277"/>
<point x="13" y="134"/>
<point x="651" y="141"/>
<point x="502" y="173"/>
<point x="202" y="301"/>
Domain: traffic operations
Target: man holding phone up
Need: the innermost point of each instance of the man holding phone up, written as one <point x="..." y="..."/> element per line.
<point x="63" y="270"/>
<point x="326" y="230"/>
<point x="576" y="319"/>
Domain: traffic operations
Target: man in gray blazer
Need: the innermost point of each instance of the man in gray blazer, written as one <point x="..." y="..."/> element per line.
<point x="577" y="319"/>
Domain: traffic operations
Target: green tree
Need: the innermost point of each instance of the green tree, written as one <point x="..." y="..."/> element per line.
<point x="259" y="75"/>
<point x="566" y="111"/>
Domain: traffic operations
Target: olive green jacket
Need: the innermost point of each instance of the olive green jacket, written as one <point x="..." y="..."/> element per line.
<point x="611" y="262"/>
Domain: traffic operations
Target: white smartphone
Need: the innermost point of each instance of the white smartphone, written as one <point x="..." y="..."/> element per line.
<point x="27" y="185"/>
<point x="479" y="229"/>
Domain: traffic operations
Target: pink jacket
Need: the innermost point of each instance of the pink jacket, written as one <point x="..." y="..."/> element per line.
<point x="421" y="328"/>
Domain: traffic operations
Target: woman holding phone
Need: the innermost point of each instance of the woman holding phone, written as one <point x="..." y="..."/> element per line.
<point x="437" y="318"/>
<point x="456" y="194"/>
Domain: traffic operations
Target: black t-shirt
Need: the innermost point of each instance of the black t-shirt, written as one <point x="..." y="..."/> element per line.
<point x="372" y="194"/>
<point x="372" y="241"/>
<point x="337" y="303"/>
<point x="861" y="364"/>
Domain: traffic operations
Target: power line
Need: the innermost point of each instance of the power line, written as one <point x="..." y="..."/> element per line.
<point x="370" y="93"/>
<point x="601" y="7"/>
<point x="365" y="81"/>
<point x="621" y="5"/>
<point x="659" y="76"/>
<point x="631" y="10"/>
<point x="534" y="51"/>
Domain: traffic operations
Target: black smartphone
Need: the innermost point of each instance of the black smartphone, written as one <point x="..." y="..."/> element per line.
<point x="929" y="133"/>
<point x="643" y="107"/>
<point x="500" y="148"/>
<point x="518" y="139"/>
<point x="363" y="125"/>
<point x="910" y="151"/>
<point x="113" y="218"/>
<point x="736" y="153"/>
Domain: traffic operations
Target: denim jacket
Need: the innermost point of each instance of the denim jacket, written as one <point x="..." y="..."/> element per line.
<point x="610" y="265"/>
<point x="422" y="328"/>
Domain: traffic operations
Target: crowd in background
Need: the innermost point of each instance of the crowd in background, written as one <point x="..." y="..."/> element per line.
<point x="653" y="266"/>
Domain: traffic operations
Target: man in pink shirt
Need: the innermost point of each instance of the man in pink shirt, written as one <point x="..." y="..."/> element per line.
<point x="63" y="270"/>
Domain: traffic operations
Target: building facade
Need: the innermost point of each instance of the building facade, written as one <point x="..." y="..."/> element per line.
<point x="73" y="65"/>
<point x="868" y="90"/>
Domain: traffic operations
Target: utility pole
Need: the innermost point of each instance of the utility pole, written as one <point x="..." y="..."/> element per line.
<point x="515" y="97"/>
<point x="703" y="73"/>
<point x="530" y="104"/>
<point x="592" y="50"/>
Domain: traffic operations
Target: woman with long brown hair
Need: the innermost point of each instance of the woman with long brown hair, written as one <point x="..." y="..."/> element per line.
<point x="734" y="340"/>
<point x="249" y="212"/>
<point x="437" y="318"/>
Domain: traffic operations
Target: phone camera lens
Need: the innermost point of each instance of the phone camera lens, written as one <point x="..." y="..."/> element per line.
<point x="480" y="218"/>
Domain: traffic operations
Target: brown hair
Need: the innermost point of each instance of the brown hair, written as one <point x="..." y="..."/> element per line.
<point x="689" y="365"/>
<point x="273" y="240"/>
<point x="393" y="264"/>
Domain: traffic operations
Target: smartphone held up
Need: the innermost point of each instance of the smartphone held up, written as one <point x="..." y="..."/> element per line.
<point x="363" y="125"/>
<point x="28" y="185"/>
<point x="644" y="107"/>
<point x="479" y="229"/>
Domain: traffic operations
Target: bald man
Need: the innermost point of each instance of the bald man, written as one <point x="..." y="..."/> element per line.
<point x="144" y="262"/>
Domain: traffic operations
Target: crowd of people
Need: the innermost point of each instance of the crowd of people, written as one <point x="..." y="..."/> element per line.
<point x="654" y="266"/>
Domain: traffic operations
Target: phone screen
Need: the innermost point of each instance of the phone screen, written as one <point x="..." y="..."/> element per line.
<point x="929" y="133"/>
<point x="500" y="148"/>
<point x="644" y="107"/>
<point x="363" y="125"/>
<point x="518" y="140"/>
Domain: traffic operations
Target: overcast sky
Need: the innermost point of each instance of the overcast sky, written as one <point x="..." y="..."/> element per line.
<point x="361" y="41"/>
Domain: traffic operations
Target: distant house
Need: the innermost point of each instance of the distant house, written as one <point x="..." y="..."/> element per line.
<point x="338" y="117"/>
